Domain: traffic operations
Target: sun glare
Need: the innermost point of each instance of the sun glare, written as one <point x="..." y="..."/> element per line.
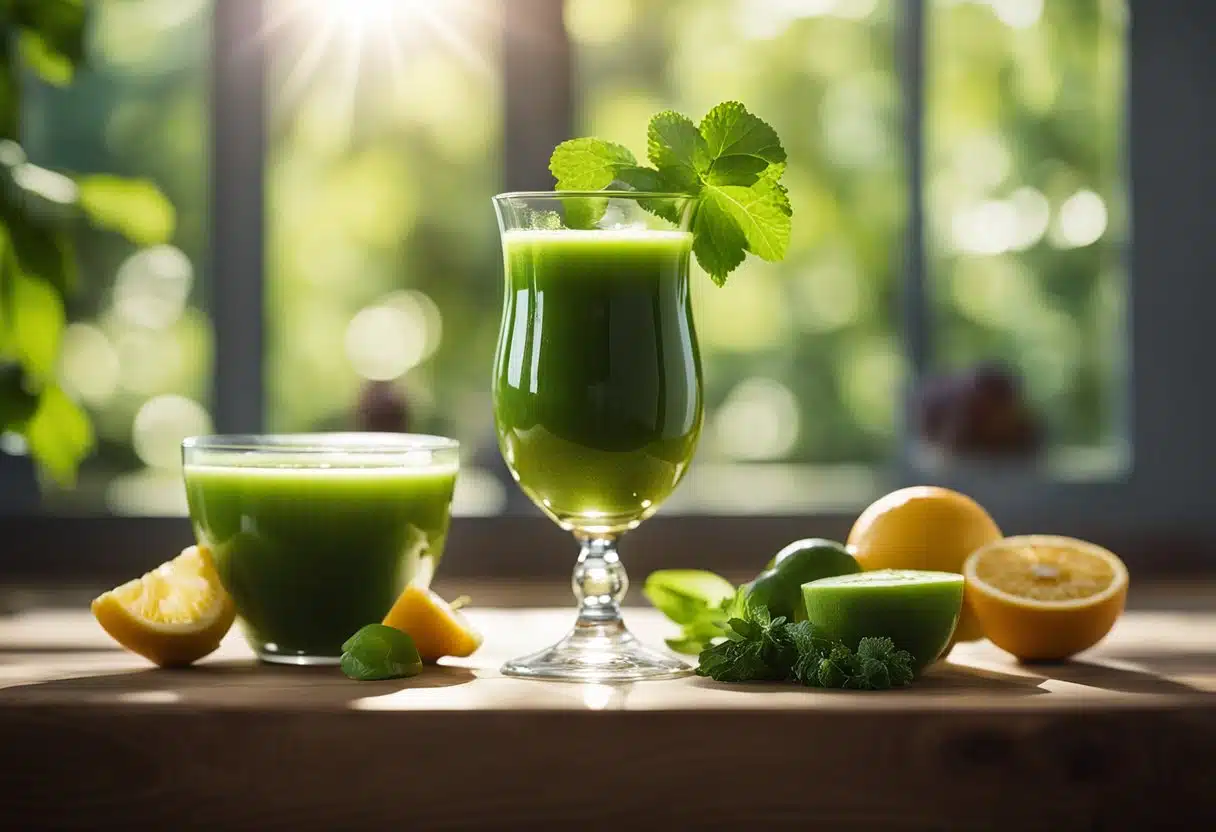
<point x="357" y="15"/>
<point x="336" y="37"/>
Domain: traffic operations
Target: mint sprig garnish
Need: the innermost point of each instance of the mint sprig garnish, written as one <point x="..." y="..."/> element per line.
<point x="732" y="162"/>
<point x="380" y="652"/>
<point x="762" y="648"/>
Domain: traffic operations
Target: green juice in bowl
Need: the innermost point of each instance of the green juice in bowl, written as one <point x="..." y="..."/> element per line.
<point x="315" y="536"/>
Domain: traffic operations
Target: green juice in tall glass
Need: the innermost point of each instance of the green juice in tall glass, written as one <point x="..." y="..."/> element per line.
<point x="311" y="553"/>
<point x="597" y="394"/>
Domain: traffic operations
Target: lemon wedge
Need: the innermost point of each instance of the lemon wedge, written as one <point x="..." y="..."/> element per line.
<point x="173" y="615"/>
<point x="437" y="629"/>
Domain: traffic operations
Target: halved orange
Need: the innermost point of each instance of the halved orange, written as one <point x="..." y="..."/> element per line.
<point x="1045" y="597"/>
<point x="173" y="615"/>
<point x="437" y="629"/>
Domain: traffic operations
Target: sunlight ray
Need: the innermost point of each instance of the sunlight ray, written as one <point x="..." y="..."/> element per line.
<point x="358" y="29"/>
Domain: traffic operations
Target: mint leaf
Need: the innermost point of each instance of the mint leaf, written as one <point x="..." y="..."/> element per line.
<point x="642" y="179"/>
<point x="730" y="130"/>
<point x="684" y="595"/>
<point x="677" y="149"/>
<point x="588" y="164"/>
<point x="736" y="170"/>
<point x="742" y="630"/>
<point x="732" y="161"/>
<point x="718" y="242"/>
<point x="694" y="599"/>
<point x="761" y="212"/>
<point x="585" y="213"/>
<point x="380" y="652"/>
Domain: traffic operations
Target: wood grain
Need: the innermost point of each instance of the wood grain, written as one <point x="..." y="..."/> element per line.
<point x="91" y="738"/>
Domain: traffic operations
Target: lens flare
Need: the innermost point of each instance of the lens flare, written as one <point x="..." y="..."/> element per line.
<point x="344" y="42"/>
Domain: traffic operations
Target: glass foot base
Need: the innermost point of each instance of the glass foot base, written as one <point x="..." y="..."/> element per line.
<point x="298" y="659"/>
<point x="597" y="653"/>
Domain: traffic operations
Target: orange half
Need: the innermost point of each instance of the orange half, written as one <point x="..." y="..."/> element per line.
<point x="1045" y="597"/>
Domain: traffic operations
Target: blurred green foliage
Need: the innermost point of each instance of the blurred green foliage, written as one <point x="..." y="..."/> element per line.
<point x="1026" y="202"/>
<point x="38" y="211"/>
<point x="383" y="260"/>
<point x="1024" y="103"/>
<point x="379" y="179"/>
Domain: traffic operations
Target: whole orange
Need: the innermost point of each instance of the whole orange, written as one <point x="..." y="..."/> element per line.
<point x="924" y="527"/>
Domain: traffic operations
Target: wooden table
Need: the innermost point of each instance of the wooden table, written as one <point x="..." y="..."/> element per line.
<point x="91" y="738"/>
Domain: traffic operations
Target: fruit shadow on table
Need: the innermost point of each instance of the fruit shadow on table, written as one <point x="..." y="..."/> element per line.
<point x="240" y="682"/>
<point x="1111" y="677"/>
<point x="941" y="677"/>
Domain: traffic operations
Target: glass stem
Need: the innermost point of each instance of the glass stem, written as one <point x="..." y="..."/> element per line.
<point x="599" y="582"/>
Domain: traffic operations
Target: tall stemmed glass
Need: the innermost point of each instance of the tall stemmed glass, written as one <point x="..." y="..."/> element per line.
<point x="597" y="394"/>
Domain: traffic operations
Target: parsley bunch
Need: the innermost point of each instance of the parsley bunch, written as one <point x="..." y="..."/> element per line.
<point x="732" y="162"/>
<point x="759" y="647"/>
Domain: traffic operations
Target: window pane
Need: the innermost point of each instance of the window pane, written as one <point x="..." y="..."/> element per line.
<point x="137" y="351"/>
<point x="802" y="360"/>
<point x="1025" y="220"/>
<point x="383" y="273"/>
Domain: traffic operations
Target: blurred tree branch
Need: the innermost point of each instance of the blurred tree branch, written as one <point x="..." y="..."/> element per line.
<point x="39" y="210"/>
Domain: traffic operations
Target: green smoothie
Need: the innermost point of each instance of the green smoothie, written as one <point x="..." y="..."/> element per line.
<point x="310" y="553"/>
<point x="597" y="394"/>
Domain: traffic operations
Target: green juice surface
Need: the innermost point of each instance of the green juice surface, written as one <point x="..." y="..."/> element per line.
<point x="310" y="554"/>
<point x="597" y="385"/>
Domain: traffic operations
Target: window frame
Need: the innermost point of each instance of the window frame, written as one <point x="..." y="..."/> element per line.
<point x="1156" y="517"/>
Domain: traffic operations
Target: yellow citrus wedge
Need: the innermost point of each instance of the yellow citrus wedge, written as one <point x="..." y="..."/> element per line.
<point x="1044" y="597"/>
<point x="924" y="527"/>
<point x="437" y="629"/>
<point x="173" y="615"/>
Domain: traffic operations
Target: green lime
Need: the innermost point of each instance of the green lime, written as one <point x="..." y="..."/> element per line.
<point x="916" y="609"/>
<point x="780" y="587"/>
<point x="767" y="590"/>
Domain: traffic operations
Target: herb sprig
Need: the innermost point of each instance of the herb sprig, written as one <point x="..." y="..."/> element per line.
<point x="732" y="162"/>
<point x="759" y="647"/>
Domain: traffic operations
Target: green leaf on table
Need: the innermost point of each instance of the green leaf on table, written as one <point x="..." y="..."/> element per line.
<point x="37" y="323"/>
<point x="59" y="435"/>
<point x="684" y="595"/>
<point x="135" y="208"/>
<point x="694" y="599"/>
<point x="677" y="149"/>
<point x="380" y="652"/>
